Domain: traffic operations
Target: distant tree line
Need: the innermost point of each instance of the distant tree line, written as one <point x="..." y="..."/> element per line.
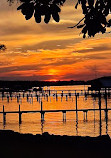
<point x="27" y="85"/>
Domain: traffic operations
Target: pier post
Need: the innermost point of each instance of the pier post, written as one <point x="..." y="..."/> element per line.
<point x="4" y="115"/>
<point x="100" y="110"/>
<point x="85" y="114"/>
<point x="20" y="116"/>
<point x="64" y="116"/>
<point x="42" y="112"/>
<point x="41" y="106"/>
<point x="66" y="98"/>
<point x="76" y="108"/>
<point x="62" y="94"/>
<point x="47" y="97"/>
<point x="23" y="94"/>
<point x="56" y="97"/>
<point x="106" y="111"/>
<point x="49" y="92"/>
<point x="7" y="98"/>
<point x="75" y="92"/>
<point x="61" y="99"/>
<point x="42" y="116"/>
<point x="37" y="97"/>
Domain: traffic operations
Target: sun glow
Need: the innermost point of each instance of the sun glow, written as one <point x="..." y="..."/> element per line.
<point x="53" y="80"/>
<point x="52" y="72"/>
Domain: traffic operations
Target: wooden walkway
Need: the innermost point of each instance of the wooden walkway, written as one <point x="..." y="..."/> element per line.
<point x="42" y="112"/>
<point x="53" y="111"/>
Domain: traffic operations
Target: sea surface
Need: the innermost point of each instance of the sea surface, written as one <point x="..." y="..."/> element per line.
<point x="53" y="123"/>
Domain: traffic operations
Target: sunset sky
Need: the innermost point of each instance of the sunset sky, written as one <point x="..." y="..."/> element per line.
<point x="50" y="51"/>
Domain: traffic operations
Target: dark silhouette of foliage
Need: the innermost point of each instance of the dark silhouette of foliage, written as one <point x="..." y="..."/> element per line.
<point x="95" y="13"/>
<point x="95" y="19"/>
<point x="38" y="8"/>
<point x="2" y="47"/>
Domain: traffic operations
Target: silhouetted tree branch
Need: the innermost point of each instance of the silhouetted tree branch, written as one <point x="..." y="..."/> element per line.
<point x="2" y="47"/>
<point x="95" y="13"/>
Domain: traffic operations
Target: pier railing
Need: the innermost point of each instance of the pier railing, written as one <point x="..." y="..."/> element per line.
<point x="43" y="112"/>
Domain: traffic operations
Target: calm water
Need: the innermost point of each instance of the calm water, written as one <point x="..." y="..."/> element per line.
<point x="31" y="123"/>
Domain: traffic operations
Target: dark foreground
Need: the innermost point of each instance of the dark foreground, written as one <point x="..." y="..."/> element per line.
<point x="16" y="145"/>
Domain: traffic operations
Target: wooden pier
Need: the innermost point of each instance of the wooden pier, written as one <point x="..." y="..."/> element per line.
<point x="42" y="112"/>
<point x="76" y="110"/>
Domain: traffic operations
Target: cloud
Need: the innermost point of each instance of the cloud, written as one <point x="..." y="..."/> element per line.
<point x="100" y="49"/>
<point x="45" y="52"/>
<point x="54" y="44"/>
<point x="15" y="30"/>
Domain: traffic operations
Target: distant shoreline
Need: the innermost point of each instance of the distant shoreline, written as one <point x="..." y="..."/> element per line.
<point x="25" y="85"/>
<point x="14" y="145"/>
<point x="96" y="84"/>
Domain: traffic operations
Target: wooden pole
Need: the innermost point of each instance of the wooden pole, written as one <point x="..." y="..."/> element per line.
<point x="43" y="115"/>
<point x="76" y="109"/>
<point x="64" y="116"/>
<point x="106" y="111"/>
<point x="20" y="114"/>
<point x="41" y="106"/>
<point x="41" y="111"/>
<point x="84" y="115"/>
<point x="100" y="110"/>
<point x="37" y="97"/>
<point x="49" y="92"/>
<point x="4" y="115"/>
<point x="66" y="97"/>
<point x="56" y="97"/>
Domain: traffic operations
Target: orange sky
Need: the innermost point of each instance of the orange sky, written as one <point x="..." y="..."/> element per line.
<point x="50" y="51"/>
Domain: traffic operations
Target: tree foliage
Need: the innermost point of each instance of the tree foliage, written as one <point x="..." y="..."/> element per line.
<point x="2" y="47"/>
<point x="95" y="13"/>
<point x="38" y="8"/>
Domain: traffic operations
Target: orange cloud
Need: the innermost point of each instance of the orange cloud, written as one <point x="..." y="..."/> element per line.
<point x="50" y="52"/>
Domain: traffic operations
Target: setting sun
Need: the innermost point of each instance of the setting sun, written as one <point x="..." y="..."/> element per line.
<point x="53" y="80"/>
<point x="52" y="72"/>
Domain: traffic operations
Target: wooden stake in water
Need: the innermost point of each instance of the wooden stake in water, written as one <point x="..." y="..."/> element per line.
<point x="106" y="111"/>
<point x="4" y="115"/>
<point x="42" y="113"/>
<point x="20" y="115"/>
<point x="100" y="110"/>
<point x="76" y="109"/>
<point x="64" y="116"/>
<point x="41" y="106"/>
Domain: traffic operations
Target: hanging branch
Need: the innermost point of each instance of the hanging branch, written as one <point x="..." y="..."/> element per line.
<point x="77" y="23"/>
<point x="95" y="13"/>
